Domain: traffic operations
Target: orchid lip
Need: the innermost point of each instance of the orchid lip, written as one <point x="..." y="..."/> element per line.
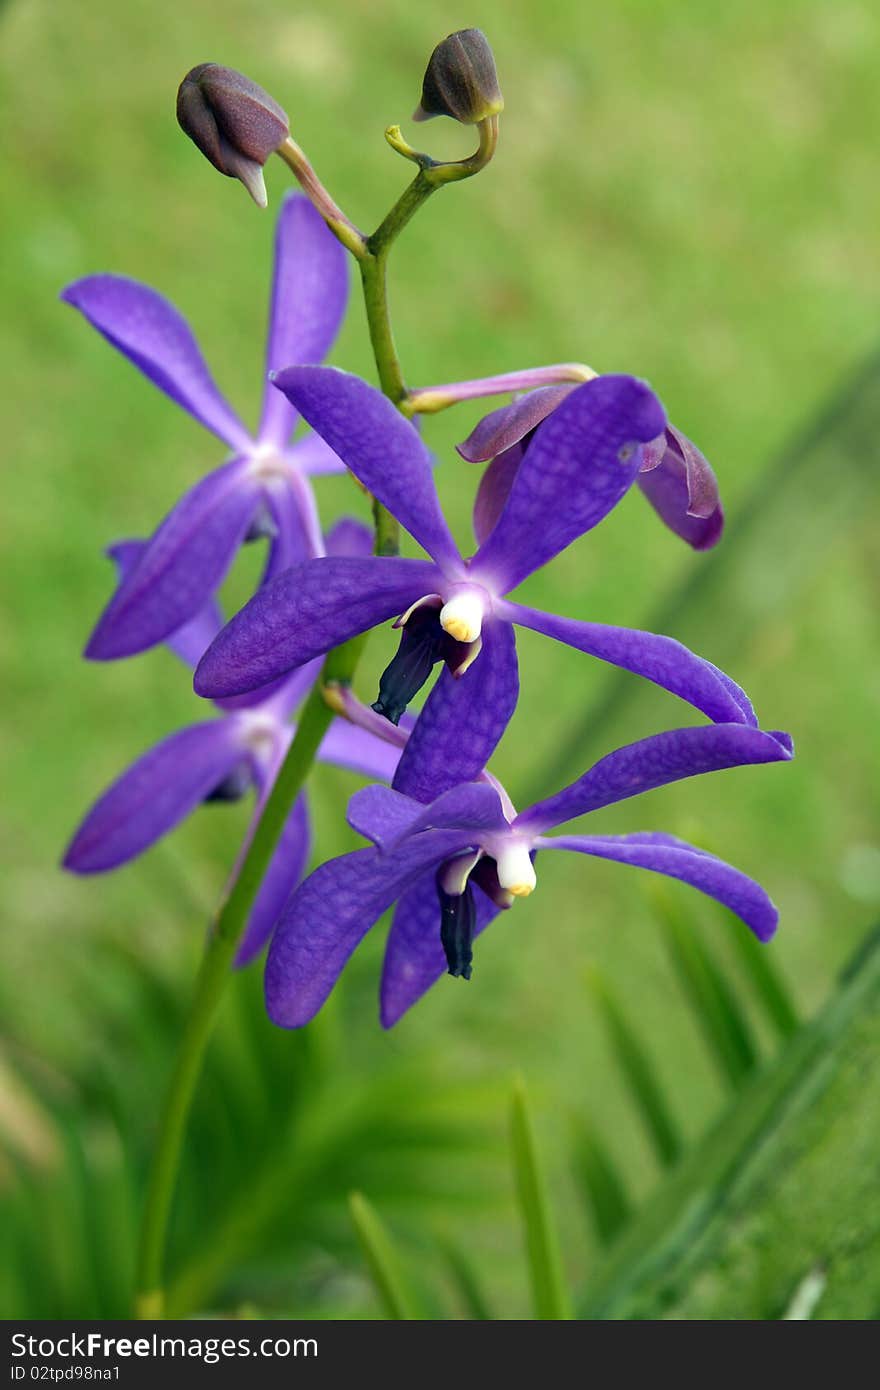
<point x="516" y="872"/>
<point x="464" y="612"/>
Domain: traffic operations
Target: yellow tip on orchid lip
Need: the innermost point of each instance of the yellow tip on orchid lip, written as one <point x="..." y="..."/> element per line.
<point x="520" y="890"/>
<point x="462" y="617"/>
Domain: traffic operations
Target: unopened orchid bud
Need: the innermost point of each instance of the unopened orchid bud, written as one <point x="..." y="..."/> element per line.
<point x="235" y="124"/>
<point x="461" y="80"/>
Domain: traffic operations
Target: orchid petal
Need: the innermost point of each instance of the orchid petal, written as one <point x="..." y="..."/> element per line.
<point x="189" y="641"/>
<point x="703" y="871"/>
<point x="463" y="720"/>
<point x="184" y="563"/>
<point x="359" y="751"/>
<point x="414" y="956"/>
<point x="153" y="795"/>
<point x="507" y="425"/>
<point x="580" y="463"/>
<point x="382" y="449"/>
<point x="331" y="912"/>
<point x="683" y="491"/>
<point x="153" y="335"/>
<point x="655" y="762"/>
<point x="309" y="296"/>
<point x="305" y="612"/>
<point x="494" y="490"/>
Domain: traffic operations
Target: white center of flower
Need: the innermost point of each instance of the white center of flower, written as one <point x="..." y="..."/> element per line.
<point x="462" y="616"/>
<point x="269" y="465"/>
<point x="516" y="872"/>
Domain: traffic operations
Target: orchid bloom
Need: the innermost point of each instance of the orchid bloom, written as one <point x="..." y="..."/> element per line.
<point x="674" y="475"/>
<point x="222" y="760"/>
<point x="453" y="865"/>
<point x="263" y="490"/>
<point x="581" y="462"/>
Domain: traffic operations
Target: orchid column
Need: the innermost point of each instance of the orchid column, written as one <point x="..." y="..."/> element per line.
<point x="237" y="126"/>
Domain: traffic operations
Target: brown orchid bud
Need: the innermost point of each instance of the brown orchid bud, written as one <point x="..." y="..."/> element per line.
<point x="235" y="124"/>
<point x="461" y="81"/>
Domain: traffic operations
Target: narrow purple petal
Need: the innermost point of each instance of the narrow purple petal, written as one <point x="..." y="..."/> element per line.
<point x="305" y="612"/>
<point x="507" y="425"/>
<point x="185" y="562"/>
<point x="190" y="641"/>
<point x="494" y="490"/>
<point x="388" y="818"/>
<point x="683" y="491"/>
<point x="654" y="762"/>
<point x="703" y="871"/>
<point x="330" y="913"/>
<point x="382" y="449"/>
<point x="310" y="454"/>
<point x="348" y="536"/>
<point x="463" y="720"/>
<point x="381" y="815"/>
<point x="309" y="295"/>
<point x="155" y="793"/>
<point x="414" y="957"/>
<point x="359" y="751"/>
<point x="286" y="867"/>
<point x="295" y="527"/>
<point x="156" y="338"/>
<point x="660" y="659"/>
<point x="580" y="463"/>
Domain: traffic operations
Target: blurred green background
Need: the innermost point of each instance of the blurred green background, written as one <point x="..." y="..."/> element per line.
<point x="682" y="191"/>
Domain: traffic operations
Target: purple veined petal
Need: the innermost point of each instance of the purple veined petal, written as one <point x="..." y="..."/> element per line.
<point x="153" y="796"/>
<point x="293" y="513"/>
<point x="388" y="818"/>
<point x="580" y="463"/>
<point x="189" y="641"/>
<point x="331" y="912"/>
<point x="185" y="562"/>
<point x="309" y="297"/>
<point x="381" y="815"/>
<point x="153" y="335"/>
<point x="655" y="762"/>
<point x="494" y="490"/>
<point x="682" y="489"/>
<point x="463" y="720"/>
<point x="703" y="871"/>
<point x="382" y="449"/>
<point x="359" y="751"/>
<point x="502" y="428"/>
<point x="310" y="455"/>
<point x="305" y="612"/>
<point x="414" y="956"/>
<point x="663" y="660"/>
<point x="286" y="868"/>
<point x="348" y="536"/>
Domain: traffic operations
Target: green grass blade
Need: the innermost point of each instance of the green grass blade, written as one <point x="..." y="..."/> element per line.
<point x="713" y="1003"/>
<point x="382" y="1259"/>
<point x="770" y="991"/>
<point x="607" y="1197"/>
<point x="636" y="1064"/>
<point x="467" y="1285"/>
<point x="549" y="1292"/>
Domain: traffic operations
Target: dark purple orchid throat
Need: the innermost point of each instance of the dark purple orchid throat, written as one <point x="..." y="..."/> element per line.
<point x="445" y="847"/>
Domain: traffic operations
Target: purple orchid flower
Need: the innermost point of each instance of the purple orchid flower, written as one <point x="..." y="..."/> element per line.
<point x="264" y="489"/>
<point x="674" y="475"/>
<point x="582" y="461"/>
<point x="223" y="759"/>
<point x="452" y="866"/>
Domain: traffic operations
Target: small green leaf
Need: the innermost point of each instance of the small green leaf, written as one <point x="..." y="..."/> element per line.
<point x="636" y="1065"/>
<point x="466" y="1283"/>
<point x="605" y="1190"/>
<point x="381" y="1257"/>
<point x="714" y="1005"/>
<point x="549" y="1292"/>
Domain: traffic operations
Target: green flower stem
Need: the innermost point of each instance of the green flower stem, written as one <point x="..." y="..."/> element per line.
<point x="222" y="944"/>
<point x="339" y="669"/>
